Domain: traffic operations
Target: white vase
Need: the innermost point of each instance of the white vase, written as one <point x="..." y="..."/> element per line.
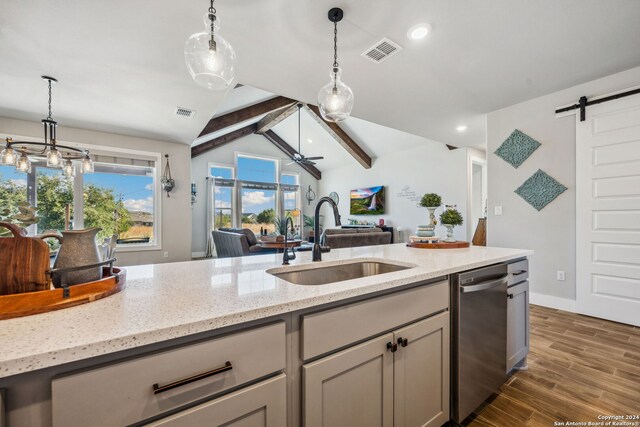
<point x="449" y="238"/>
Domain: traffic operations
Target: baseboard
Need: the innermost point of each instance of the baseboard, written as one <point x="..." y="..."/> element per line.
<point x="550" y="301"/>
<point x="198" y="254"/>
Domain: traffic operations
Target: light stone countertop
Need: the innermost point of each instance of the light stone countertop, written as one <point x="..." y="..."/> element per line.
<point x="166" y="301"/>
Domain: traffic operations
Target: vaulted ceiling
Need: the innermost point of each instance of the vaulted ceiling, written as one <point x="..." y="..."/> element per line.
<point x="121" y="66"/>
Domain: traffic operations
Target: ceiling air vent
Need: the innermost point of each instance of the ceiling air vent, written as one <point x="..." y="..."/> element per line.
<point x="185" y="112"/>
<point x="382" y="50"/>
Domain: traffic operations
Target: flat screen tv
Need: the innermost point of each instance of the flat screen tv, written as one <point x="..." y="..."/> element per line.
<point x="367" y="201"/>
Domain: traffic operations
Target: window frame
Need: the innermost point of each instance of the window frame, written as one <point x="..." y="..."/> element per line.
<point x="78" y="188"/>
<point x="234" y="190"/>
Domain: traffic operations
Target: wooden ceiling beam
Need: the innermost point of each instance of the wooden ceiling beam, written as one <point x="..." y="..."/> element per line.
<point x="218" y="142"/>
<point x="275" y="117"/>
<point x="342" y="137"/>
<point x="290" y="152"/>
<point x="244" y="114"/>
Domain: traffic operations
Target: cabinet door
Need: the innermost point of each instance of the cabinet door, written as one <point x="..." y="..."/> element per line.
<point x="260" y="405"/>
<point x="352" y="388"/>
<point x="421" y="373"/>
<point x="517" y="324"/>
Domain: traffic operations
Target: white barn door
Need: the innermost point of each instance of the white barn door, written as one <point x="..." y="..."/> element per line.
<point x="608" y="211"/>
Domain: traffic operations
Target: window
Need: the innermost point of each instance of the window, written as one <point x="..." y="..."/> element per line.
<point x="119" y="197"/>
<point x="120" y="200"/>
<point x="218" y="171"/>
<point x="257" y="169"/>
<point x="258" y="190"/>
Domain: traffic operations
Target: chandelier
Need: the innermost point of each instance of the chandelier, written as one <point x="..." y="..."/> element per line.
<point x="22" y="153"/>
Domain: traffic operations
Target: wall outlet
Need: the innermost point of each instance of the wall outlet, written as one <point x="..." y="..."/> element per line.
<point x="560" y="275"/>
<point x="166" y="254"/>
<point x="497" y="210"/>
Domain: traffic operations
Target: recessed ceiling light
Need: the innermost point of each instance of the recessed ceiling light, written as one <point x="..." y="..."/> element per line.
<point x="309" y="141"/>
<point x="418" y="31"/>
<point x="461" y="128"/>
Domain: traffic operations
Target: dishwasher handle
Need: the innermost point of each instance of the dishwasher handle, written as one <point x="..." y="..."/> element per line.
<point x="483" y="286"/>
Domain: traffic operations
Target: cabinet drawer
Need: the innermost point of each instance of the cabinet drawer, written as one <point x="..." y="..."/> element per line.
<point x="260" y="405"/>
<point x="123" y="393"/>
<point x="518" y="272"/>
<point x="335" y="328"/>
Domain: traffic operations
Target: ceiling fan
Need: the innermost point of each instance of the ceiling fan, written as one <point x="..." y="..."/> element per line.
<point x="298" y="158"/>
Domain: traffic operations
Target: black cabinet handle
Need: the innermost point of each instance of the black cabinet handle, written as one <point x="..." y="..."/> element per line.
<point x="392" y="347"/>
<point x="519" y="272"/>
<point x="161" y="388"/>
<point x="403" y="342"/>
<point x="510" y="296"/>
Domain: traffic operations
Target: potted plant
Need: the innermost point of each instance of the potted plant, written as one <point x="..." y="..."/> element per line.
<point x="450" y="218"/>
<point x="431" y="201"/>
<point x="309" y="222"/>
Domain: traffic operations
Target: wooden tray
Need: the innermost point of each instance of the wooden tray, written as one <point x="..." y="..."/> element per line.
<point x="439" y="245"/>
<point x="25" y="304"/>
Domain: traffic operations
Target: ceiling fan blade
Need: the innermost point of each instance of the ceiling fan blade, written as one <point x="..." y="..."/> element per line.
<point x="315" y="158"/>
<point x="308" y="162"/>
<point x="291" y="163"/>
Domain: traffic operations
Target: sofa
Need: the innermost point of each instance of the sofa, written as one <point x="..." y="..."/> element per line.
<point x="337" y="238"/>
<point x="234" y="242"/>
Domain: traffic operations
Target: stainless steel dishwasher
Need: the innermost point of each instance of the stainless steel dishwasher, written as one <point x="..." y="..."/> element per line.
<point x="478" y="337"/>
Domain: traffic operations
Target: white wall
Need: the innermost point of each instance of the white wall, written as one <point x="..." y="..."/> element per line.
<point x="428" y="168"/>
<point x="550" y="232"/>
<point x="250" y="144"/>
<point x="176" y="218"/>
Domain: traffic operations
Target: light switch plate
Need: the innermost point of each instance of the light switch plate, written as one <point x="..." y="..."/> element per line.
<point x="497" y="210"/>
<point x="560" y="275"/>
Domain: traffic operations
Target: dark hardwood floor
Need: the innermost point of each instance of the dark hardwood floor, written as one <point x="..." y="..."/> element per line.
<point x="579" y="368"/>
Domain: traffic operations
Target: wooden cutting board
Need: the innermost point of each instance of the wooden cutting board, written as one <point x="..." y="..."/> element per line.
<point x="24" y="262"/>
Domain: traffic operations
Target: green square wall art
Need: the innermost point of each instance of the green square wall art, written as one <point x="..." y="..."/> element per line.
<point x="517" y="148"/>
<point x="540" y="190"/>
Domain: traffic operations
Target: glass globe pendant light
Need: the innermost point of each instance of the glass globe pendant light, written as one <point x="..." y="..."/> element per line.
<point x="210" y="58"/>
<point x="335" y="99"/>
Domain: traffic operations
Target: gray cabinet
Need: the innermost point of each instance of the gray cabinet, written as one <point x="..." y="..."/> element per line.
<point x="517" y="324"/>
<point x="397" y="379"/>
<point x="421" y="373"/>
<point x="352" y="388"/>
<point x="260" y="405"/>
<point x="136" y="389"/>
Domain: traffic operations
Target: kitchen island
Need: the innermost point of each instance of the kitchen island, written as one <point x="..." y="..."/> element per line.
<point x="168" y="306"/>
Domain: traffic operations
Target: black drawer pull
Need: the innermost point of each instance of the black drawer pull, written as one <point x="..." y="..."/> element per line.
<point x="519" y="272"/>
<point x="161" y="388"/>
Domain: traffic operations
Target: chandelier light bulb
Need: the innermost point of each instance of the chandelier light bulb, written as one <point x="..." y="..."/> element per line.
<point x="54" y="158"/>
<point x="67" y="169"/>
<point x="87" y="165"/>
<point x="209" y="57"/>
<point x="23" y="164"/>
<point x="8" y="157"/>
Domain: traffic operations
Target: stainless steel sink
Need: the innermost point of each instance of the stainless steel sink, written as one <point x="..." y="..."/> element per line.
<point x="324" y="274"/>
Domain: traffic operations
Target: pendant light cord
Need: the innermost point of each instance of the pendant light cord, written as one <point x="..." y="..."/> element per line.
<point x="212" y="18"/>
<point x="49" y="117"/>
<point x="299" y="107"/>
<point x="335" y="54"/>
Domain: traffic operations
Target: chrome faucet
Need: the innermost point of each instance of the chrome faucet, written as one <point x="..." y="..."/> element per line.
<point x="286" y="257"/>
<point x="317" y="250"/>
